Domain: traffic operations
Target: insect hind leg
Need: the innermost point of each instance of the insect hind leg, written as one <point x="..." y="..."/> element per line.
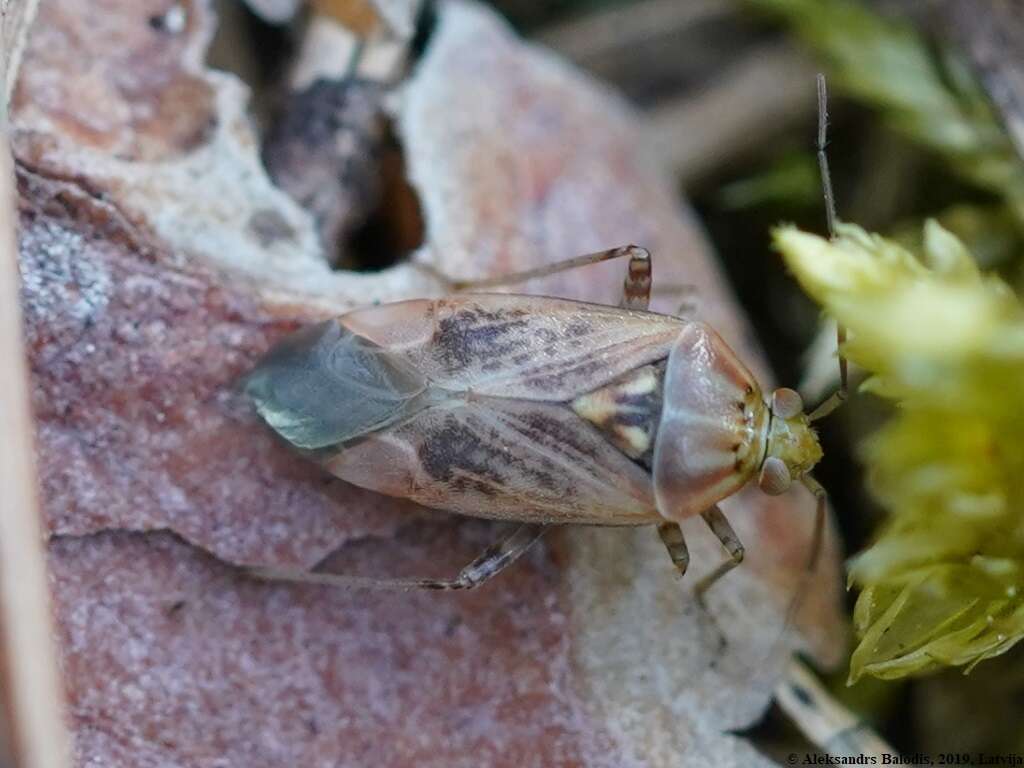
<point x="490" y="563"/>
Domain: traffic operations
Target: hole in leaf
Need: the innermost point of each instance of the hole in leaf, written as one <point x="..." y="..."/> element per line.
<point x="333" y="151"/>
<point x="394" y="228"/>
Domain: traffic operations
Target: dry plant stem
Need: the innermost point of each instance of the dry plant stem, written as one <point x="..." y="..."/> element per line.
<point x="393" y="18"/>
<point x="35" y="692"/>
<point x="15" y="18"/>
<point x="761" y="94"/>
<point x="591" y="37"/>
<point x="823" y="720"/>
<point x="755" y="98"/>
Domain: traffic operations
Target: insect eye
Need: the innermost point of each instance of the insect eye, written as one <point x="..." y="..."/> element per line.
<point x="787" y="403"/>
<point x="774" y="478"/>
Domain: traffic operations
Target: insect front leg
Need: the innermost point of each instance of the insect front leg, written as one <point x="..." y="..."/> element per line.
<point x="817" y="541"/>
<point x="818" y="534"/>
<point x="490" y="563"/>
<point x="725" y="534"/>
<point x="672" y="537"/>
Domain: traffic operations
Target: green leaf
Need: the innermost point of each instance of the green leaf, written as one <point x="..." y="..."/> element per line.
<point x="792" y="180"/>
<point x="930" y="98"/>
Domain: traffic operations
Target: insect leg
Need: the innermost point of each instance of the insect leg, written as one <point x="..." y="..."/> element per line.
<point x="635" y="253"/>
<point x="672" y="537"/>
<point x="817" y="540"/>
<point x="491" y="562"/>
<point x="721" y="528"/>
<point x="818" y="536"/>
<point x="636" y="288"/>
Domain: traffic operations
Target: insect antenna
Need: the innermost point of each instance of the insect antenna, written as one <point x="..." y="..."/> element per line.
<point x="826" y="177"/>
<point x="838" y="397"/>
<point x="803" y="586"/>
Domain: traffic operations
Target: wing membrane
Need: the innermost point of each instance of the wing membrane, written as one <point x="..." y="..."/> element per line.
<point x="325" y="385"/>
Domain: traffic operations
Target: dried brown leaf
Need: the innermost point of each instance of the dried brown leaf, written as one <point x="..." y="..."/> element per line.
<point x="159" y="262"/>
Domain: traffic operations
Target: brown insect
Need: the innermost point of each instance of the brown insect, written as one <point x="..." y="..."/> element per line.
<point x="539" y="410"/>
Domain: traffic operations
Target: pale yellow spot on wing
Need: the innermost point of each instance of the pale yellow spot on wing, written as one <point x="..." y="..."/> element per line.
<point x="596" y="407"/>
<point x="644" y="384"/>
<point x="636" y="438"/>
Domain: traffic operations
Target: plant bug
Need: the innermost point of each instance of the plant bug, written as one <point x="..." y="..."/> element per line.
<point x="541" y="411"/>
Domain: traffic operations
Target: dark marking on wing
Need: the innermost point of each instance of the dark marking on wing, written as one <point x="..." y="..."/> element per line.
<point x="453" y="453"/>
<point x="471" y="334"/>
<point x="535" y="348"/>
<point x="468" y="455"/>
<point x="549" y="377"/>
<point x="502" y="458"/>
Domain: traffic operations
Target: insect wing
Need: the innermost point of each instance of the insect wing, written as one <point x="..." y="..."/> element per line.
<point x="325" y="385"/>
<point x="504" y="459"/>
<point x="528" y="347"/>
